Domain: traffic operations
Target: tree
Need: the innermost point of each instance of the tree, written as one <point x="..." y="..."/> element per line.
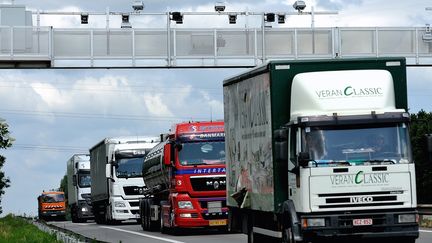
<point x="64" y="186"/>
<point x="5" y="142"/>
<point x="421" y="124"/>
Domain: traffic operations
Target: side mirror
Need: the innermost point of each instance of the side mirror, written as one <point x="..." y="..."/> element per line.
<point x="303" y="158"/>
<point x="178" y="146"/>
<point x="168" y="154"/>
<point x="281" y="145"/>
<point x="108" y="171"/>
<point x="74" y="180"/>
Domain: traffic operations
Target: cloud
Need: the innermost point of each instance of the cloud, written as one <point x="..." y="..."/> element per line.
<point x="156" y="106"/>
<point x="49" y="94"/>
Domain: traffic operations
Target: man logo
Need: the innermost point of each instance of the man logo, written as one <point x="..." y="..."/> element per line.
<point x="361" y="199"/>
<point x="216" y="185"/>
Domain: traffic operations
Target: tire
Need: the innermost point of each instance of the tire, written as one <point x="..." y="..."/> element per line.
<point x="141" y="212"/>
<point x="256" y="238"/>
<point x="163" y="229"/>
<point x="153" y="225"/>
<point x="74" y="215"/>
<point x="287" y="235"/>
<point x="99" y="215"/>
<point x="144" y="218"/>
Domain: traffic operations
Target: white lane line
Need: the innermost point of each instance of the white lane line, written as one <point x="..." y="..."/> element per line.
<point x="141" y="234"/>
<point x="428" y="231"/>
<point x="82" y="224"/>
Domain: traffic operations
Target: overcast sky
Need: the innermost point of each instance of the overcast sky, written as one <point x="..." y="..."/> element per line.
<point x="53" y="114"/>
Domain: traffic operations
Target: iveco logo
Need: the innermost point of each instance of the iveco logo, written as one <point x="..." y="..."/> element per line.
<point x="361" y="199"/>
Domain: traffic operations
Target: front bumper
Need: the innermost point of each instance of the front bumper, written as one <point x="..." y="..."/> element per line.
<point x="53" y="213"/>
<point x="385" y="224"/>
<point x="130" y="211"/>
<point x="200" y="220"/>
<point x="200" y="215"/>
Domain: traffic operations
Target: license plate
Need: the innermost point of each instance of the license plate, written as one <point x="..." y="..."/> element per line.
<point x="218" y="222"/>
<point x="360" y="222"/>
<point x="54" y="215"/>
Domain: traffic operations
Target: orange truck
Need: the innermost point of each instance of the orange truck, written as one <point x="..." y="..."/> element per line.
<point x="52" y="205"/>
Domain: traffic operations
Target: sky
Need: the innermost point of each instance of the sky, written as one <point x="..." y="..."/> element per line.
<point x="54" y="113"/>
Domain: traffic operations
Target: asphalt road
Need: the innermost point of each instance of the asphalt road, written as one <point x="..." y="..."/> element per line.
<point x="133" y="233"/>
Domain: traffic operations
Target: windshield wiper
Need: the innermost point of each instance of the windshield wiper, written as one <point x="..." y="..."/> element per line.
<point x="373" y="161"/>
<point x="331" y="162"/>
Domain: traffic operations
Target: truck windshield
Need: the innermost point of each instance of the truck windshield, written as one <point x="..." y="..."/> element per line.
<point x="84" y="179"/>
<point x="357" y="144"/>
<point x="51" y="198"/>
<point x="202" y="153"/>
<point x="129" y="167"/>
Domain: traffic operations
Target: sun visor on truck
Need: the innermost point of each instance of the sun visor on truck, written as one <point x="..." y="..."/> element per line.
<point x="342" y="91"/>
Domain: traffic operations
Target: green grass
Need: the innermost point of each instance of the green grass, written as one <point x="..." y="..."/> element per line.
<point x="15" y="229"/>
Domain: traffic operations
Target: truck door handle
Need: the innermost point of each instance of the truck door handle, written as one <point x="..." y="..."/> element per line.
<point x="379" y="168"/>
<point x="340" y="170"/>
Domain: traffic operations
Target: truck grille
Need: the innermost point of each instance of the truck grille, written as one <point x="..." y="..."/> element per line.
<point x="210" y="216"/>
<point x="133" y="190"/>
<point x="203" y="204"/>
<point x="213" y="183"/>
<point x="134" y="204"/>
<point x="360" y="199"/>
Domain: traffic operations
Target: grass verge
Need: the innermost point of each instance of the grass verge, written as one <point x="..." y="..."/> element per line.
<point x="16" y="229"/>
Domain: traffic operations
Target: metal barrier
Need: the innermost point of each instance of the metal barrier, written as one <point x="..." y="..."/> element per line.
<point x="212" y="47"/>
<point x="424" y="209"/>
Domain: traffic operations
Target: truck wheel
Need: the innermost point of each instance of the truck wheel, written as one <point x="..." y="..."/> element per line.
<point x="287" y="235"/>
<point x="145" y="219"/>
<point x="256" y="238"/>
<point x="141" y="212"/>
<point x="163" y="229"/>
<point x="153" y="225"/>
<point x="74" y="215"/>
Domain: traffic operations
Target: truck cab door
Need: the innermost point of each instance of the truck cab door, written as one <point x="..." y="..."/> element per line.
<point x="293" y="166"/>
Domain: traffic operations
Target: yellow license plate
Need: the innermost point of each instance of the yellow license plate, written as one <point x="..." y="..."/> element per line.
<point x="218" y="222"/>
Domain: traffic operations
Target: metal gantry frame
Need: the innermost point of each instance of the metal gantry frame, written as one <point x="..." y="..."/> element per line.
<point x="174" y="46"/>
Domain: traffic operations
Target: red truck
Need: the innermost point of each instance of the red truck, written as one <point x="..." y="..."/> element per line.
<point x="185" y="179"/>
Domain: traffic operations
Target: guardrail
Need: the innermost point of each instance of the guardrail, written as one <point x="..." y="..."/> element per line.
<point x="425" y="215"/>
<point x="62" y="234"/>
<point x="424" y="209"/>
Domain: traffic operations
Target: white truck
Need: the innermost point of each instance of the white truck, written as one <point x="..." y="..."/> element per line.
<point x="320" y="150"/>
<point x="79" y="183"/>
<point x="116" y="172"/>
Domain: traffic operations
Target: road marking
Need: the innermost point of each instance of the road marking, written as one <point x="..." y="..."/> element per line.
<point x="141" y="234"/>
<point x="428" y="231"/>
<point x="82" y="224"/>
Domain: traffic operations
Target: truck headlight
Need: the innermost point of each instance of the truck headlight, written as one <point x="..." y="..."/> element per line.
<point x="407" y="218"/>
<point x="119" y="204"/>
<point x="185" y="204"/>
<point x="313" y="222"/>
<point x="84" y="209"/>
